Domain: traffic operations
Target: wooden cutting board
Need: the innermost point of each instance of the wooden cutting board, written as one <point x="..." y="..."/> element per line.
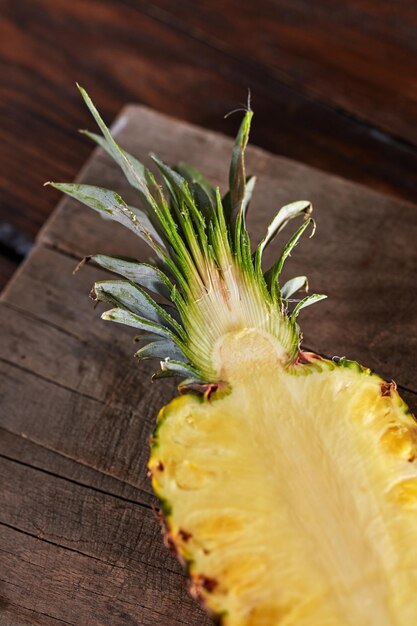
<point x="80" y="541"/>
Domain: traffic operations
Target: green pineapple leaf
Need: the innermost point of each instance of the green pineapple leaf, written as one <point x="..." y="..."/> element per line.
<point x="132" y="168"/>
<point x="307" y="301"/>
<point x="110" y="204"/>
<point x="273" y="274"/>
<point x="130" y="296"/>
<point x="142" y="274"/>
<point x="161" y="349"/>
<point x="237" y="176"/>
<point x="197" y="180"/>
<point x="293" y="285"/>
<point x="226" y="200"/>
<point x="284" y="215"/>
<point x="176" y="368"/>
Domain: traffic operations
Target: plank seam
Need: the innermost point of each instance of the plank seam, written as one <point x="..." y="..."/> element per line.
<point x="100" y="401"/>
<point x="138" y="604"/>
<point x="78" y="483"/>
<point x="40" y="537"/>
<point x="36" y="318"/>
<point x="67" y="456"/>
<point x="55" y="247"/>
<point x="50" y="381"/>
<point x="7" y="603"/>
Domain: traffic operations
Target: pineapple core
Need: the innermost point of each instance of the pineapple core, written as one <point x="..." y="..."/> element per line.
<point x="294" y="496"/>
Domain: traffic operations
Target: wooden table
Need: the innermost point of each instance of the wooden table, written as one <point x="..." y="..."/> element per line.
<point x="333" y="86"/>
<point x="80" y="542"/>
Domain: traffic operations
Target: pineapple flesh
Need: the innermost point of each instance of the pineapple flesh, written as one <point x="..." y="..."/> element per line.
<point x="288" y="482"/>
<point x="285" y="516"/>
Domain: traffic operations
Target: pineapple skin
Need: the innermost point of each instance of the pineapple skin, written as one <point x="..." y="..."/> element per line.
<point x="292" y="498"/>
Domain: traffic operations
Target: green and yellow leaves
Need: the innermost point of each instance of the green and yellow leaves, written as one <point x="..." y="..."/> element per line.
<point x="133" y="170"/>
<point x="312" y="299"/>
<point x="129" y="296"/>
<point x="206" y="267"/>
<point x="239" y="198"/>
<point x="203" y="192"/>
<point x="274" y="272"/>
<point x="162" y="348"/>
<point x="293" y="285"/>
<point x="284" y="215"/>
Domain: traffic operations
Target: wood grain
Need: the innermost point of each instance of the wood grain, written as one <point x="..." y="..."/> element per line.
<point x="348" y="55"/>
<point x="73" y="588"/>
<point x="19" y="448"/>
<point x="80" y="543"/>
<point x="332" y="85"/>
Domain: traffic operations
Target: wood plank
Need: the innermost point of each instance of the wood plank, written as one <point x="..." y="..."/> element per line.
<point x="92" y="362"/>
<point x="14" y="615"/>
<point x="363" y="255"/>
<point x="97" y="393"/>
<point x="107" y="437"/>
<point x="74" y="589"/>
<point x="98" y="525"/>
<point x="46" y="289"/>
<point x="14" y="447"/>
<point x="82" y="517"/>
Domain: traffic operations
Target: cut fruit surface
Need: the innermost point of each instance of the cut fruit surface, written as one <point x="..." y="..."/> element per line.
<point x="294" y="496"/>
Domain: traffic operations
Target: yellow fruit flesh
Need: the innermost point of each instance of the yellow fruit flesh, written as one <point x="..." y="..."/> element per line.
<point x="294" y="497"/>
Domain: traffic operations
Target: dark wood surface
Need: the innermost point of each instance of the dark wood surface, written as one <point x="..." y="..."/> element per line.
<point x="333" y="85"/>
<point x="80" y="543"/>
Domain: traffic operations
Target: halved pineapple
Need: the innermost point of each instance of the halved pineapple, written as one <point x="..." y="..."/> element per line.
<point x="294" y="496"/>
<point x="288" y="482"/>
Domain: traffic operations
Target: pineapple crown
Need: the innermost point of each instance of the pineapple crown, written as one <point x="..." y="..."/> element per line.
<point x="206" y="281"/>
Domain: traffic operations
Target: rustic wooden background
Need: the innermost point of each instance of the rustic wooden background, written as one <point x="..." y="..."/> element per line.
<point x="334" y="85"/>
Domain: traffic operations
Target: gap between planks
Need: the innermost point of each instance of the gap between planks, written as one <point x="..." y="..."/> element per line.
<point x="72" y="481"/>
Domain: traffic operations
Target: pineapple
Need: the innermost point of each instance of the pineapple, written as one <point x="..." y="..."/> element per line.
<point x="288" y="482"/>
